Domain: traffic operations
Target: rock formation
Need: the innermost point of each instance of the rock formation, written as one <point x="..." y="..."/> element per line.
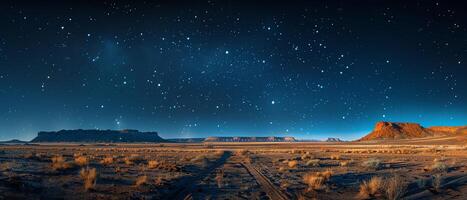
<point x="334" y="140"/>
<point x="95" y="136"/>
<point x="397" y="130"/>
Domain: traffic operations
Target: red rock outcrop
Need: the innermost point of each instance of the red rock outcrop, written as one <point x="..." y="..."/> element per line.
<point x="398" y="130"/>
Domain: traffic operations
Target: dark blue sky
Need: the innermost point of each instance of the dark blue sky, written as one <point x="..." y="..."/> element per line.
<point x="228" y="68"/>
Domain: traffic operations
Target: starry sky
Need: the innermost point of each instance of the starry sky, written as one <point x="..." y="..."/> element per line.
<point x="231" y="68"/>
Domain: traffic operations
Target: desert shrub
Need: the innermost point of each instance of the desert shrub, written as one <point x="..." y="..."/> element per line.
<point x="128" y="161"/>
<point x="81" y="160"/>
<point x="395" y="188"/>
<point x="141" y="180"/>
<point x="292" y="163"/>
<point x="282" y="169"/>
<point x="163" y="166"/>
<point x="241" y="152"/>
<point x="438" y="166"/>
<point x="307" y="156"/>
<point x="372" y="163"/>
<point x="436" y="181"/>
<point x="335" y="157"/>
<point x="152" y="164"/>
<point x="284" y="184"/>
<point x="89" y="177"/>
<point x="6" y="166"/>
<point x="158" y="181"/>
<point x="58" y="163"/>
<point x="220" y="178"/>
<point x="317" y="180"/>
<point x="108" y="160"/>
<point x="313" y="163"/>
<point x="248" y="160"/>
<point x="370" y="187"/>
<point x="344" y="163"/>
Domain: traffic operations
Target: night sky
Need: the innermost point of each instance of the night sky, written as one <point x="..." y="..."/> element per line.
<point x="231" y="68"/>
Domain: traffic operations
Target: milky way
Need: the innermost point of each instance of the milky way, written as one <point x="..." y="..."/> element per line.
<point x="231" y="68"/>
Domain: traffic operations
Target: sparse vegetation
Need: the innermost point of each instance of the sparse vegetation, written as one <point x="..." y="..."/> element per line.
<point x="436" y="181"/>
<point x="220" y="178"/>
<point x="152" y="164"/>
<point x="89" y="176"/>
<point x="438" y="166"/>
<point x="154" y="170"/>
<point x="313" y="163"/>
<point x="344" y="163"/>
<point x="335" y="157"/>
<point x="108" y="160"/>
<point x="59" y="163"/>
<point x="372" y="163"/>
<point x="370" y="188"/>
<point x="292" y="164"/>
<point x="395" y="188"/>
<point x="317" y="180"/>
<point x="141" y="180"/>
<point x="81" y="160"/>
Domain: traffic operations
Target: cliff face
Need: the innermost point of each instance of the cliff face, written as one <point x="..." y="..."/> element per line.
<point x="396" y="130"/>
<point x="448" y="129"/>
<point x="250" y="139"/>
<point x="93" y="136"/>
<point x="334" y="140"/>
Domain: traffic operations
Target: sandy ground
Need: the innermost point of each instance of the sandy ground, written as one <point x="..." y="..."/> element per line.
<point x="234" y="170"/>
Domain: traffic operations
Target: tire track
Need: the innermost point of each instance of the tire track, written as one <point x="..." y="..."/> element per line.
<point x="189" y="184"/>
<point x="271" y="190"/>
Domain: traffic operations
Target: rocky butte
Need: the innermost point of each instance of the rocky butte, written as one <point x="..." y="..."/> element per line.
<point x="399" y="130"/>
<point x="95" y="136"/>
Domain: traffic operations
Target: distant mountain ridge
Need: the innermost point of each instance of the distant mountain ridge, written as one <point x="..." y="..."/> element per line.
<point x="400" y="130"/>
<point x="334" y="140"/>
<point x="94" y="136"/>
<point x="250" y="139"/>
<point x="186" y="140"/>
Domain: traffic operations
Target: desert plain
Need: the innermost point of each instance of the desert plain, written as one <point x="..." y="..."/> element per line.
<point x="428" y="168"/>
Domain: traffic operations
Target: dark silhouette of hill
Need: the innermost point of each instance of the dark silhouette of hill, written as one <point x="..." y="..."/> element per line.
<point x="95" y="136"/>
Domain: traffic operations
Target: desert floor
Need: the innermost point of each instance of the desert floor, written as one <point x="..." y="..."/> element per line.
<point x="234" y="171"/>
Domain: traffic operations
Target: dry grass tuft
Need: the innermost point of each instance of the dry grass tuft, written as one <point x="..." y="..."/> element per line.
<point x="307" y="156"/>
<point x="81" y="160"/>
<point x="282" y="169"/>
<point x="58" y="163"/>
<point x="292" y="164"/>
<point x="89" y="177"/>
<point x="141" y="180"/>
<point x="108" y="160"/>
<point x="395" y="188"/>
<point x="317" y="181"/>
<point x="436" y="181"/>
<point x="372" y="163"/>
<point x="438" y="166"/>
<point x="371" y="187"/>
<point x="241" y="152"/>
<point x="335" y="157"/>
<point x="313" y="163"/>
<point x="158" y="181"/>
<point x="153" y="164"/>
<point x="344" y="163"/>
<point x="220" y="178"/>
